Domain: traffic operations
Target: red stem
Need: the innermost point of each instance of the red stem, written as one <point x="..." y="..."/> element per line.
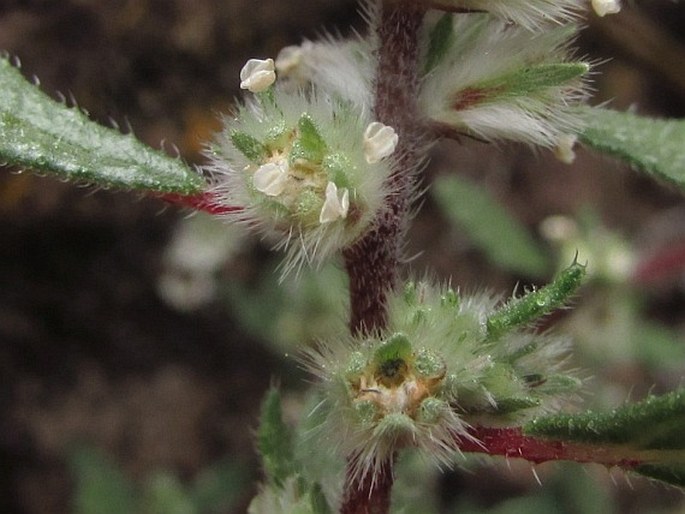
<point x="511" y="442"/>
<point x="367" y="496"/>
<point x="665" y="264"/>
<point x="205" y="201"/>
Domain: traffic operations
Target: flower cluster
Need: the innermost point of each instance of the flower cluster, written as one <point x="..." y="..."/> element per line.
<point x="444" y="363"/>
<point x="308" y="170"/>
<point x="498" y="81"/>
<point x="531" y="14"/>
<point x="304" y="162"/>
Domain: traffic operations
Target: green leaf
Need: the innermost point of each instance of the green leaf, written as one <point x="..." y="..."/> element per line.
<point x="274" y="440"/>
<point x="220" y="487"/>
<point x="439" y="41"/>
<point x="39" y="133"/>
<point x="656" y="423"/>
<point x="648" y="433"/>
<point x="164" y="494"/>
<point x="523" y="82"/>
<point x="318" y="501"/>
<point x="529" y="307"/>
<point x="492" y="229"/>
<point x="309" y="145"/>
<point x="653" y="146"/>
<point x="101" y="488"/>
<point x="248" y="146"/>
<point x="529" y="80"/>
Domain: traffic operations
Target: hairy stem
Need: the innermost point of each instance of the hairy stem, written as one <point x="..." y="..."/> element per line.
<point x="372" y="263"/>
<point x="370" y="495"/>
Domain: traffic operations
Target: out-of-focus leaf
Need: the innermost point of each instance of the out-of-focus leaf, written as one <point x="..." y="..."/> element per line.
<point x="274" y="440"/>
<point x="218" y="489"/>
<point x="491" y="228"/>
<point x="101" y="488"/>
<point x="654" y="146"/>
<point x="164" y="494"/>
<point x="439" y="41"/>
<point x="41" y="134"/>
<point x="275" y="311"/>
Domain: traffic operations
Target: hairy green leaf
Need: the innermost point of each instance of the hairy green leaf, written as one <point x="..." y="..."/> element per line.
<point x="41" y="134"/>
<point x="492" y="229"/>
<point x="249" y="146"/>
<point x="310" y="145"/>
<point x="656" y="423"/>
<point x="648" y="433"/>
<point x="654" y="146"/>
<point x="531" y="80"/>
<point x="274" y="440"/>
<point x="529" y="307"/>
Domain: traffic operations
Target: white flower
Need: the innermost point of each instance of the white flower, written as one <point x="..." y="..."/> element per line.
<point x="271" y="178"/>
<point x="603" y="7"/>
<point x="564" y="149"/>
<point x="334" y="206"/>
<point x="257" y="75"/>
<point x="379" y="141"/>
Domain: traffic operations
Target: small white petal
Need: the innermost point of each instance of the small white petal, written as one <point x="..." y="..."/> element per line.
<point x="379" y="141"/>
<point x="257" y="75"/>
<point x="564" y="149"/>
<point x="603" y="7"/>
<point x="334" y="206"/>
<point x="271" y="178"/>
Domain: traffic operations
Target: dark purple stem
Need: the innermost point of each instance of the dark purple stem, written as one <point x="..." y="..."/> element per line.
<point x="372" y="263"/>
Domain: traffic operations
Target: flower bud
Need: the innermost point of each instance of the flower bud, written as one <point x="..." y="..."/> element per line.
<point x="564" y="148"/>
<point x="257" y="75"/>
<point x="380" y="141"/>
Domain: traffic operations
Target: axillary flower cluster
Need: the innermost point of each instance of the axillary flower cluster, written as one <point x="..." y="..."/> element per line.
<point x="306" y="169"/>
<point x="445" y="363"/>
